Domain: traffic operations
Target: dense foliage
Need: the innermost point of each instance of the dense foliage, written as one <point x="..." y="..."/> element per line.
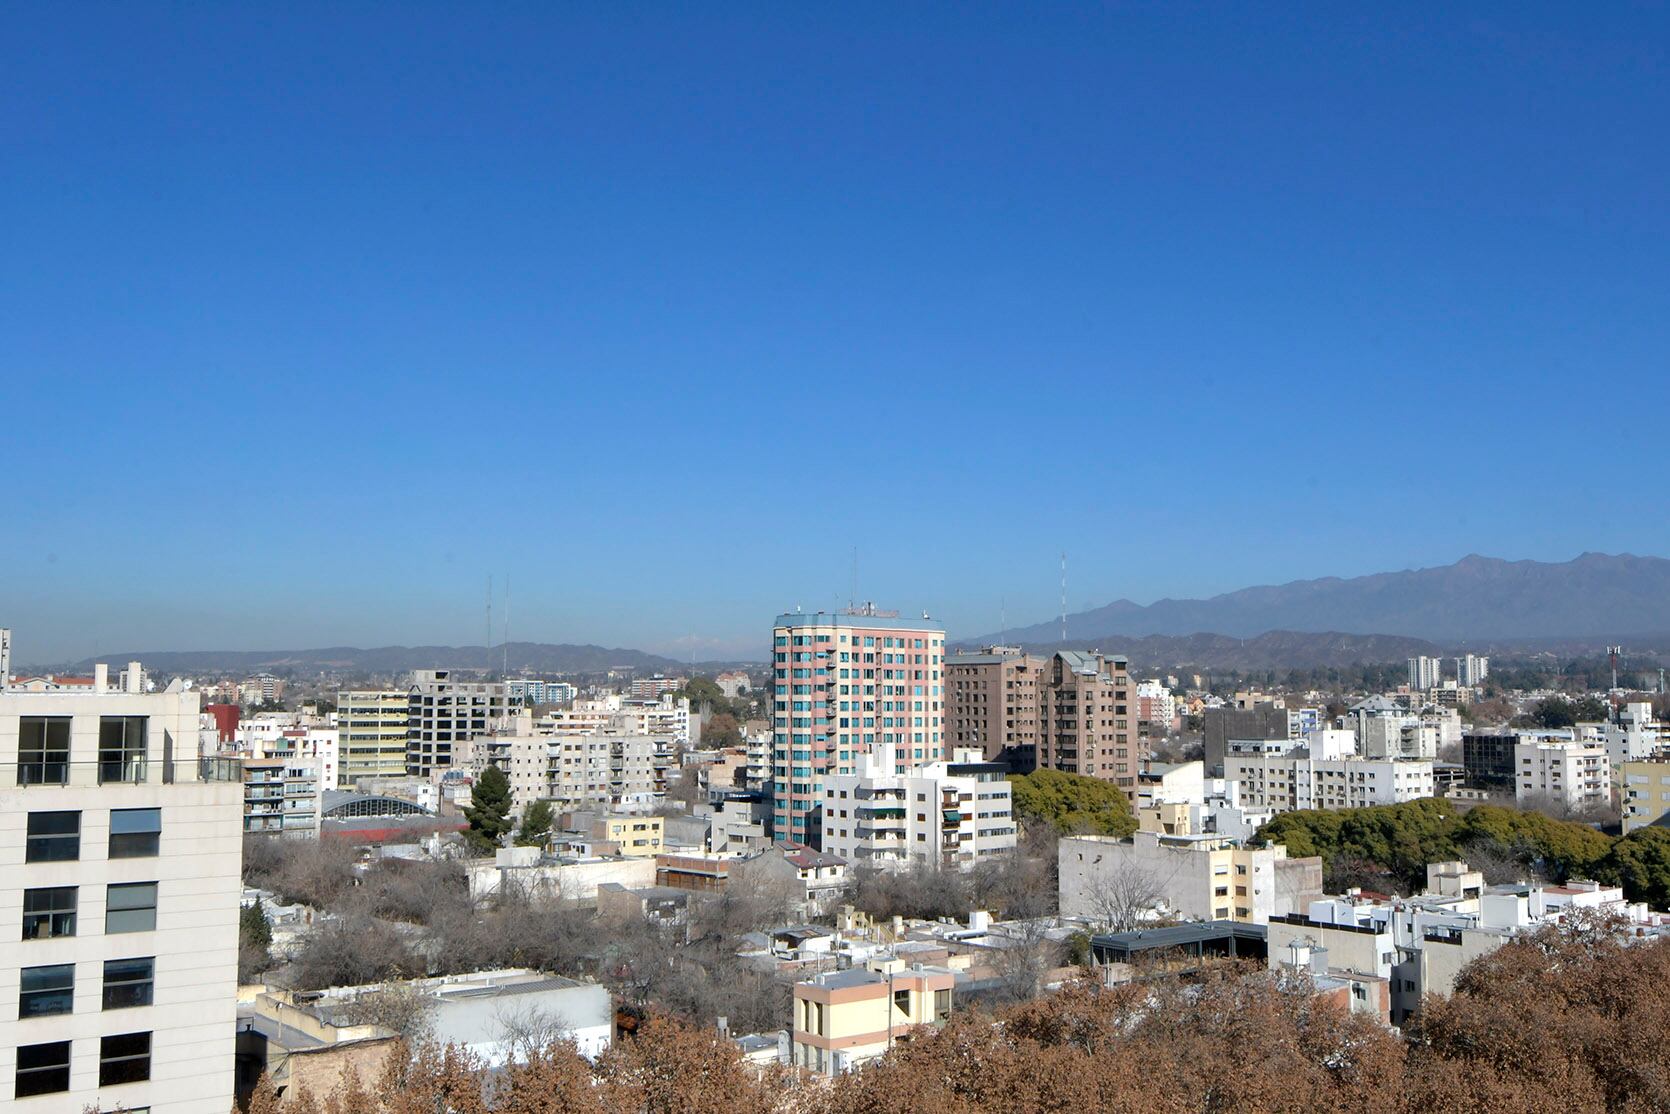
<point x="1071" y="804"/>
<point x="1391" y="845"/>
<point x="1566" y="1020"/>
<point x="488" y="811"/>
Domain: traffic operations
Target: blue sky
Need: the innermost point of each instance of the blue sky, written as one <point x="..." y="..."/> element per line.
<point x="313" y="317"/>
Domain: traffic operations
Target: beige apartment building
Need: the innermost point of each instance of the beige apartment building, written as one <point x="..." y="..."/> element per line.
<point x="372" y="729"/>
<point x="992" y="702"/>
<point x="1088" y="718"/>
<point x="845" y="1018"/>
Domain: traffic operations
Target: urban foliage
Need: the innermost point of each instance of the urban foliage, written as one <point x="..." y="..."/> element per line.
<point x="488" y="811"/>
<point x="537" y="819"/>
<point x="1390" y="845"/>
<point x="1566" y="1020"/>
<point x="1072" y="804"/>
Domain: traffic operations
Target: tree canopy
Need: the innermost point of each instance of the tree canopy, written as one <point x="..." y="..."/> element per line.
<point x="489" y="810"/>
<point x="1072" y="804"/>
<point x="536" y="824"/>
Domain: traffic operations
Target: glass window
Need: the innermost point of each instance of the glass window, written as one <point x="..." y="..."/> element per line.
<point x="131" y="907"/>
<point x="42" y="1069"/>
<point x="124" y="1058"/>
<point x="122" y="748"/>
<point x="46" y="990"/>
<point x="134" y="832"/>
<point x="43" y="750"/>
<point x="128" y="982"/>
<point x="54" y="837"/>
<point x="49" y="912"/>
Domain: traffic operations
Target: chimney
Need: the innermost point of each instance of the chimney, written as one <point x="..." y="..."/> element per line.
<point x="101" y="677"/>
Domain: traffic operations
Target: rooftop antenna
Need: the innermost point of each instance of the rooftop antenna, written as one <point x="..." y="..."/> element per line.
<point x="1064" y="597"/>
<point x="1002" y="618"/>
<point x="852" y="601"/>
<point x="504" y="670"/>
<point x="487" y="654"/>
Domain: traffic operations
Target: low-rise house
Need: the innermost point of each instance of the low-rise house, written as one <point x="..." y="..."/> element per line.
<point x="549" y="878"/>
<point x="816" y="880"/>
<point x="843" y="1019"/>
<point x="664" y="904"/>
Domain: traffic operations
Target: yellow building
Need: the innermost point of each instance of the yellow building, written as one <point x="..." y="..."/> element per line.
<point x="632" y="836"/>
<point x="371" y="735"/>
<point x="844" y="1018"/>
<point x="1644" y="792"/>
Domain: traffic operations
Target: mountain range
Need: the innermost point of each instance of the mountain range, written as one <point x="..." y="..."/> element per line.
<point x="521" y="657"/>
<point x="1476" y="600"/>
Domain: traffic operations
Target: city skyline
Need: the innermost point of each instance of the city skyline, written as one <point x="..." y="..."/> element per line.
<point x="318" y="318"/>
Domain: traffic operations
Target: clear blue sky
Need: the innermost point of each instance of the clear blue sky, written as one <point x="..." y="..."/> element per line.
<point x="311" y="317"/>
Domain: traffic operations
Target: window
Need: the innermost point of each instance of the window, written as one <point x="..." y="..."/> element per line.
<point x="46" y="991"/>
<point x="43" y="750"/>
<point x="48" y="913"/>
<point x="128" y="982"/>
<point x="131" y="907"/>
<point x="124" y="1058"/>
<point x="42" y="1069"/>
<point x="54" y="837"/>
<point x="134" y="832"/>
<point x="122" y="748"/>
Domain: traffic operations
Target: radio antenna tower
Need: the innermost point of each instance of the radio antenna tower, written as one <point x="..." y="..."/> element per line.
<point x="1064" y="597"/>
<point x="1612" y="652"/>
<point x="504" y="669"/>
<point x="487" y="655"/>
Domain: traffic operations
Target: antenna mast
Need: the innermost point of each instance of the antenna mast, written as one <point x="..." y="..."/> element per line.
<point x="504" y="670"/>
<point x="1064" y="597"/>
<point x="487" y="654"/>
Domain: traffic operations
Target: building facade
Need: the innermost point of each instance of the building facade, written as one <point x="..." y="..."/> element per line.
<point x="372" y="731"/>
<point x="1284" y="782"/>
<point x="1198" y="877"/>
<point x="444" y="712"/>
<point x="948" y="814"/>
<point x="1088" y="719"/>
<point x="121" y="856"/>
<point x="992" y="701"/>
<point x="1564" y="772"/>
<point x="846" y="683"/>
<point x="1425" y="673"/>
<point x="843" y="1019"/>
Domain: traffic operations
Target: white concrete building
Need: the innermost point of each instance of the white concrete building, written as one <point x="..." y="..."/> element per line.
<point x="120" y="853"/>
<point x="1560" y="770"/>
<point x="949" y="813"/>
<point x="1471" y="670"/>
<point x="1194" y="877"/>
<point x="1179" y="799"/>
<point x="1425" y="673"/>
<point x="1296" y="781"/>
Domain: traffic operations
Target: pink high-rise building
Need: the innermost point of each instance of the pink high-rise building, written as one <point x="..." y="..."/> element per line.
<point x="847" y="682"/>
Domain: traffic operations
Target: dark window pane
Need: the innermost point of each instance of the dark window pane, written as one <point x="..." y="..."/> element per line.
<point x="47" y="990"/>
<point x="134" y="832"/>
<point x="124" y="1058"/>
<point x="128" y="982"/>
<point x="43" y="750"/>
<point x="54" y="837"/>
<point x="49" y="912"/>
<point x="42" y="1069"/>
<point x="122" y="748"/>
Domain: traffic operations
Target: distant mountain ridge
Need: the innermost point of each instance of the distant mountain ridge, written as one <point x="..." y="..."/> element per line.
<point x="1270" y="650"/>
<point x="1476" y="599"/>
<point x="529" y="657"/>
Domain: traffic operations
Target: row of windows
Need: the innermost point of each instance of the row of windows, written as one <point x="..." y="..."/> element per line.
<point x="50" y="989"/>
<point x="55" y="837"/>
<point x="44" y="1069"/>
<point x="49" y="912"/>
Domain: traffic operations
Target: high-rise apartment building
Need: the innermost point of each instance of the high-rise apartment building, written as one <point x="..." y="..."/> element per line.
<point x="445" y="712"/>
<point x="992" y="702"/>
<point x="847" y="682"/>
<point x="1471" y="670"/>
<point x="120" y="889"/>
<point x="1088" y="718"/>
<point x="372" y="731"/>
<point x="1425" y="673"/>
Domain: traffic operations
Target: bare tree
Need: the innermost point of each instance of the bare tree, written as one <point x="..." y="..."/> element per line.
<point x="1122" y="896"/>
<point x="1021" y="965"/>
<point x="393" y="1006"/>
<point x="528" y="1030"/>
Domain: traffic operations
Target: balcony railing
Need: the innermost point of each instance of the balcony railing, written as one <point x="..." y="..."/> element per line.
<point x="127" y="770"/>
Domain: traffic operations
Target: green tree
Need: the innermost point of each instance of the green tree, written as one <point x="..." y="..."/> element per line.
<point x="253" y="929"/>
<point x="1072" y="803"/>
<point x="488" y="811"/>
<point x="1640" y="863"/>
<point x="536" y="825"/>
